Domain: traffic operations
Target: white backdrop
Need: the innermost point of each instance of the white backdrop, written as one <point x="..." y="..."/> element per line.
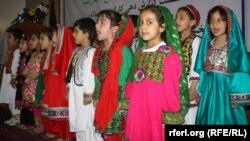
<point x="75" y="9"/>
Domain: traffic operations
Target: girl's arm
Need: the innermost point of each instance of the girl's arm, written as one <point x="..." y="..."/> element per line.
<point x="172" y="77"/>
<point x="89" y="79"/>
<point x="194" y="77"/>
<point x="124" y="72"/>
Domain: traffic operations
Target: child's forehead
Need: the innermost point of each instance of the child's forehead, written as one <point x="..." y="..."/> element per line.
<point x="10" y="34"/>
<point x="103" y="17"/>
<point x="35" y="36"/>
<point x="182" y="12"/>
<point x="147" y="14"/>
<point x="216" y="14"/>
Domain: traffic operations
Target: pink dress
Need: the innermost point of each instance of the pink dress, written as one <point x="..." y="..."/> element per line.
<point x="32" y="71"/>
<point x="154" y="90"/>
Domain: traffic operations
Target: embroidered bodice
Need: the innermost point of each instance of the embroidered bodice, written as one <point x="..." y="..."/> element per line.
<point x="152" y="64"/>
<point x="217" y="59"/>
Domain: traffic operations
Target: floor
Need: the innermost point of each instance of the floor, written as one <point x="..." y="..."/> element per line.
<point x="9" y="133"/>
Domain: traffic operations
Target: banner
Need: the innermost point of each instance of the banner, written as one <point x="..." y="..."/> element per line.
<point x="75" y="9"/>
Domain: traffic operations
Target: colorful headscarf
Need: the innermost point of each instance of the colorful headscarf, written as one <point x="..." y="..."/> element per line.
<point x="194" y="11"/>
<point x="64" y="51"/>
<point x="238" y="60"/>
<point x="109" y="91"/>
<point x="172" y="38"/>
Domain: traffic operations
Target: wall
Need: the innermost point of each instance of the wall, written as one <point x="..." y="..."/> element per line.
<point x="76" y="9"/>
<point x="9" y="10"/>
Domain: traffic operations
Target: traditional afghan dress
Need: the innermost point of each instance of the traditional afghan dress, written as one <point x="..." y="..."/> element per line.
<point x="81" y="117"/>
<point x="224" y="77"/>
<point x="55" y="116"/>
<point x="190" y="48"/>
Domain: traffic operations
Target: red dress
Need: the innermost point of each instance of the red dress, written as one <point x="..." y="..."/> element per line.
<point x="55" y="107"/>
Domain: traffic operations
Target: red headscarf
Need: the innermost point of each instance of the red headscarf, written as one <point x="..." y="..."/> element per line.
<point x="109" y="88"/>
<point x="67" y="47"/>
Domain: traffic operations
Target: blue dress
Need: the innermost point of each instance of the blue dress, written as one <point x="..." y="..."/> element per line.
<point x="215" y="87"/>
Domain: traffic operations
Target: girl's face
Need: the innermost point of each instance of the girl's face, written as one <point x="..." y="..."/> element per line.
<point x="149" y="29"/>
<point x="54" y="39"/>
<point x="23" y="46"/>
<point x="104" y="30"/>
<point x="217" y="25"/>
<point x="79" y="36"/>
<point x="34" y="42"/>
<point x="183" y="21"/>
<point x="11" y="41"/>
<point x="44" y="41"/>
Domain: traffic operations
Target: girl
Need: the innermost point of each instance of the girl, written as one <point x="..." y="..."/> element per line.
<point x="55" y="106"/>
<point x="223" y="64"/>
<point x="187" y="18"/>
<point x="111" y="65"/>
<point x="31" y="72"/>
<point x="45" y="41"/>
<point x="8" y="86"/>
<point x="159" y="82"/>
<point x="24" y="59"/>
<point x="81" y="83"/>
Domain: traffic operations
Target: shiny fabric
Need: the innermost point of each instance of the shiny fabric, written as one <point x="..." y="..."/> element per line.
<point x="218" y="87"/>
<point x="149" y="98"/>
<point x="172" y="38"/>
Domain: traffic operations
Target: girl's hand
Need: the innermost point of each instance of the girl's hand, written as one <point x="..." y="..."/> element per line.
<point x="95" y="102"/>
<point x="118" y="106"/>
<point x="13" y="82"/>
<point x="67" y="93"/>
<point x="192" y="91"/>
<point x="87" y="99"/>
<point x="54" y="72"/>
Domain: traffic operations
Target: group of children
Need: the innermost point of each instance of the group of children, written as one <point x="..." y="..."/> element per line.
<point x="99" y="84"/>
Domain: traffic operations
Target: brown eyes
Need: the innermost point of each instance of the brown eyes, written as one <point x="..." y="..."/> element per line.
<point x="147" y="23"/>
<point x="213" y="21"/>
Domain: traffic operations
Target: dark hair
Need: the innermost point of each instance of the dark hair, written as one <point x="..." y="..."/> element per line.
<point x="48" y="32"/>
<point x="222" y="12"/>
<point x="159" y="16"/>
<point x="87" y="25"/>
<point x="134" y="19"/>
<point x="112" y="15"/>
<point x="17" y="33"/>
<point x="189" y="13"/>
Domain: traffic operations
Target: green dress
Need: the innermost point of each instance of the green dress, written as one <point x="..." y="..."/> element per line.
<point x="216" y="86"/>
<point x="116" y="125"/>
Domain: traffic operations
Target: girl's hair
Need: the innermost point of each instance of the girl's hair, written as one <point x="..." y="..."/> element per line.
<point x="37" y="34"/>
<point x="134" y="19"/>
<point x="87" y="25"/>
<point x="17" y="33"/>
<point x="189" y="13"/>
<point x="159" y="17"/>
<point x="112" y="15"/>
<point x="222" y="12"/>
<point x="48" y="32"/>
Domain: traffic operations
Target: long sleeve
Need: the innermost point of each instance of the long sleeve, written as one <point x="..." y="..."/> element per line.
<point x="172" y="76"/>
<point x="195" y="47"/>
<point x="124" y="72"/>
<point x="15" y="62"/>
<point x="89" y="79"/>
